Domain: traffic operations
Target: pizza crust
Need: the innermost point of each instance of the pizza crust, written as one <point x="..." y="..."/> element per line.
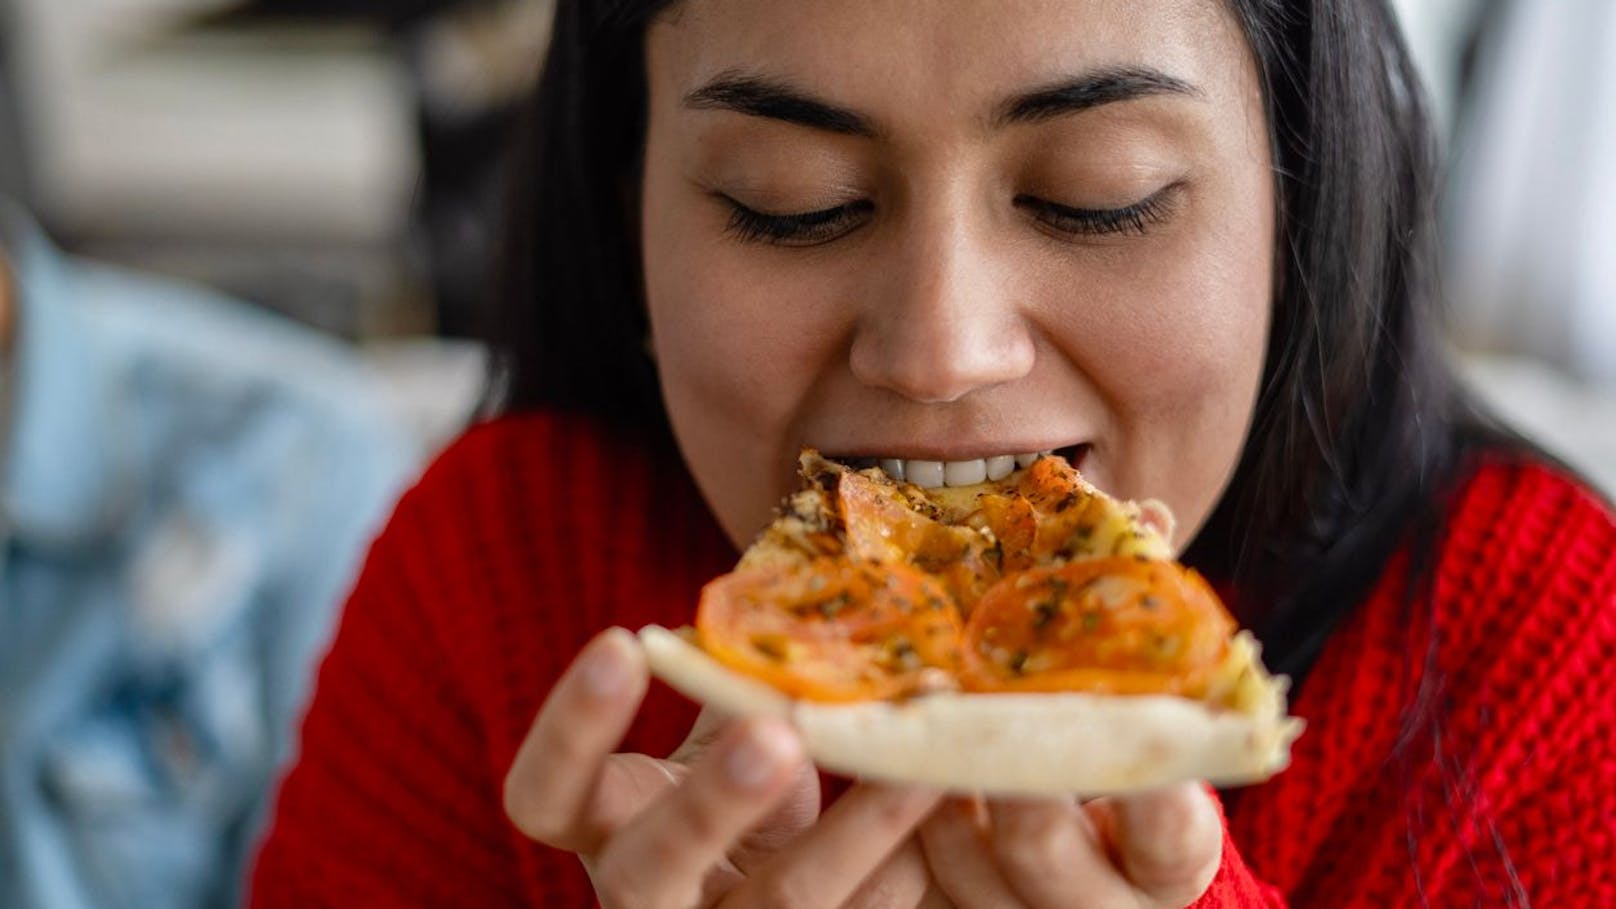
<point x="1011" y="744"/>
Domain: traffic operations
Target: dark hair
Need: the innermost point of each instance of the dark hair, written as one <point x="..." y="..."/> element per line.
<point x="1357" y="427"/>
<point x="1360" y="432"/>
<point x="569" y="323"/>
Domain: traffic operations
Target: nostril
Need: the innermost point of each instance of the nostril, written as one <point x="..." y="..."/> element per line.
<point x="938" y="358"/>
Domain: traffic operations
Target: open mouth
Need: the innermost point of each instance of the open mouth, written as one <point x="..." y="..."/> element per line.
<point x="931" y="474"/>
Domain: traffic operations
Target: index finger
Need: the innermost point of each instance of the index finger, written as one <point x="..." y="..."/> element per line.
<point x="551" y="785"/>
<point x="1169" y="841"/>
<point x="829" y="862"/>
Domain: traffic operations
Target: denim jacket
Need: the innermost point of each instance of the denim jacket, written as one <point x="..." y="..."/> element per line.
<point x="187" y="490"/>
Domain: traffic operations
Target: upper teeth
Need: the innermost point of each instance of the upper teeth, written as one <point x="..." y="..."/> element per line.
<point x="931" y="474"/>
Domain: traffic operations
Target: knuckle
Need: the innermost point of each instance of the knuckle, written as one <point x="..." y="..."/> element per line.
<point x="703" y="822"/>
<point x="614" y="891"/>
<point x="893" y="814"/>
<point x="904" y="880"/>
<point x="543" y="782"/>
<point x="1175" y="841"/>
<point x="550" y="747"/>
<point x="664" y="847"/>
<point x="890" y="817"/>
<point x="1036" y="852"/>
<point x="527" y="812"/>
<point x="619" y="879"/>
<point x="781" y="891"/>
<point x="610" y="891"/>
<point x="1034" y="841"/>
<point x="1180" y="853"/>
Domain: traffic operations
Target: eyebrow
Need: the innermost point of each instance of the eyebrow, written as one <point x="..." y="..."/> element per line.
<point x="1095" y="88"/>
<point x="773" y="99"/>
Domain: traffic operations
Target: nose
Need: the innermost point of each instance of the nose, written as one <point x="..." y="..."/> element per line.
<point x="942" y="322"/>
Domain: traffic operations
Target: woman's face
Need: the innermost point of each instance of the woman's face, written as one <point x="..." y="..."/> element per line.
<point x="950" y="232"/>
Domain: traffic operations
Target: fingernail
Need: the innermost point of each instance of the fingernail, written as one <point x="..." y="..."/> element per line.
<point x="602" y="670"/>
<point x="756" y="757"/>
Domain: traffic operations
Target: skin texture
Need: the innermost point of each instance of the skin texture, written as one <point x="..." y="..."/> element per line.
<point x="951" y="322"/>
<point x="947" y="313"/>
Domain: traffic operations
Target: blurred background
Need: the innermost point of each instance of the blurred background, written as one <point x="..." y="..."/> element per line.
<point x="1525" y="94"/>
<point x="331" y="160"/>
<point x="334" y="160"/>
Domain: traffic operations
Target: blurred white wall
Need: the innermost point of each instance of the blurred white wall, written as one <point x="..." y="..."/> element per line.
<point x="1436" y="31"/>
<point x="1532" y="201"/>
<point x="1530" y="217"/>
<point x="1575" y="420"/>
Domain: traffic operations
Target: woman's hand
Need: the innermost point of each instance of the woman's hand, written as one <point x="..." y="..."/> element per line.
<point x="729" y="819"/>
<point x="1158" y="850"/>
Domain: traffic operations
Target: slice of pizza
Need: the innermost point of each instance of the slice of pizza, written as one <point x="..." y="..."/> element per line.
<point x="1030" y="635"/>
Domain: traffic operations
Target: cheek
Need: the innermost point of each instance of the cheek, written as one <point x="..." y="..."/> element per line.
<point x="1184" y="328"/>
<point x="740" y="347"/>
<point x="1224" y="289"/>
<point x="1174" y="342"/>
<point x="738" y="325"/>
<point x="724" y="336"/>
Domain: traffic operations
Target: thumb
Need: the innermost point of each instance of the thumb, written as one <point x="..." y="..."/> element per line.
<point x="796" y="812"/>
<point x="1169" y="841"/>
<point x="631" y="782"/>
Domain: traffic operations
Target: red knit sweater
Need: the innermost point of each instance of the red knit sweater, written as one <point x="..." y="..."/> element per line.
<point x="533" y="533"/>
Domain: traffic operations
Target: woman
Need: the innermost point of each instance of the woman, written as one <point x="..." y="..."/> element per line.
<point x="1188" y="238"/>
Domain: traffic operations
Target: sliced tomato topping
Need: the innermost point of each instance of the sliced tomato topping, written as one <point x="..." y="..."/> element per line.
<point x="1049" y="481"/>
<point x="882" y="525"/>
<point x="1111" y="626"/>
<point x="833" y="629"/>
<point x="1015" y="526"/>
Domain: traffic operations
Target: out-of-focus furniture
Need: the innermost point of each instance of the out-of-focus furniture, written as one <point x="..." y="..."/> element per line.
<point x="471" y="63"/>
<point x="275" y="162"/>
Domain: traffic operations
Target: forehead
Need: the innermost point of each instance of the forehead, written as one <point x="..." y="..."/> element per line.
<point x="893" y="58"/>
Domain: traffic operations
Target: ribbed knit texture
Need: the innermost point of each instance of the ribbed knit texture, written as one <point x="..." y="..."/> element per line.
<point x="533" y="533"/>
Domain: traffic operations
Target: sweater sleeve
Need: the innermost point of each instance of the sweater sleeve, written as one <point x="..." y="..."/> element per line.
<point x="389" y="803"/>
<point x="1235" y="886"/>
<point x="1459" y="751"/>
<point x="523" y="539"/>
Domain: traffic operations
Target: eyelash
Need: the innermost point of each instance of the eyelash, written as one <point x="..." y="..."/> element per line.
<point x="804" y="229"/>
<point x="1135" y="219"/>
<point x="816" y="227"/>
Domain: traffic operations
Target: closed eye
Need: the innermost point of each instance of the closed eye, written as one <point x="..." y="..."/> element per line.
<point x="1135" y="219"/>
<point x="813" y="228"/>
<point x="795" y="228"/>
